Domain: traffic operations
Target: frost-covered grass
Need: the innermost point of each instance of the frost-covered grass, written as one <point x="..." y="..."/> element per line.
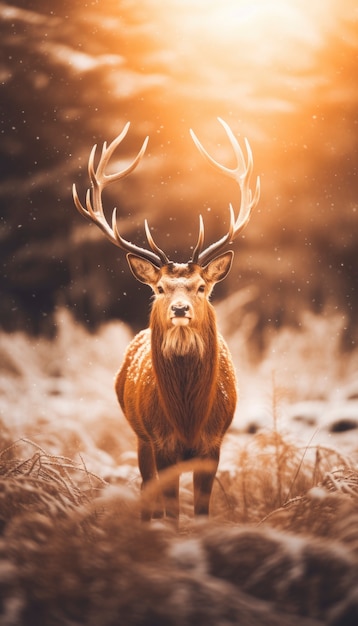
<point x="281" y="546"/>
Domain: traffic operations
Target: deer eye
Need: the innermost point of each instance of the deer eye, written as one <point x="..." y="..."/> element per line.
<point x="160" y="289"/>
<point x="201" y="289"/>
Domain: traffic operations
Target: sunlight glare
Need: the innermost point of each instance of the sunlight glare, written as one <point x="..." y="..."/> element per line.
<point x="277" y="28"/>
<point x="272" y="46"/>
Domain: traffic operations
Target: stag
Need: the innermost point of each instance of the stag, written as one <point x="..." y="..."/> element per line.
<point x="176" y="385"/>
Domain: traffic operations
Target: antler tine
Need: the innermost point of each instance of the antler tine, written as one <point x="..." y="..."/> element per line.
<point x="105" y="157"/>
<point x="205" y="256"/>
<point x="199" y="244"/>
<point x="241" y="173"/>
<point x="94" y="208"/>
<point x="92" y="215"/>
<point x="236" y="147"/>
<point x="158" y="251"/>
<point x="107" y="179"/>
<point x="131" y="247"/>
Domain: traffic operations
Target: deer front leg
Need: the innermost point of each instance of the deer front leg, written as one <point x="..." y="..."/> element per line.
<point x="203" y="484"/>
<point x="170" y="488"/>
<point x="148" y="472"/>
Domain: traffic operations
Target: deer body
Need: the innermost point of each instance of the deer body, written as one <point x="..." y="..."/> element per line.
<point x="176" y="385"/>
<point x="190" y="412"/>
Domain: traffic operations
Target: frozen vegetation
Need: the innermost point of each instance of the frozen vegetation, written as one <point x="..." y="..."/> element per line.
<point x="280" y="546"/>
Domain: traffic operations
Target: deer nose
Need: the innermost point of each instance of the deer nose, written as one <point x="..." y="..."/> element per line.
<point x="180" y="310"/>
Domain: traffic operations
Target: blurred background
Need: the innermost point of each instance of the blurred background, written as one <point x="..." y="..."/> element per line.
<point x="282" y="73"/>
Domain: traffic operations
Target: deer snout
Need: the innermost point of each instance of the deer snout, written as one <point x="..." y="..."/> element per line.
<point x="180" y="310"/>
<point x="180" y="313"/>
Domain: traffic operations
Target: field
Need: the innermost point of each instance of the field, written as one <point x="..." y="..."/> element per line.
<point x="280" y="547"/>
<point x="281" y="544"/>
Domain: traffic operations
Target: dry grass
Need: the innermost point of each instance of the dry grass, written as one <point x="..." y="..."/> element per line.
<point x="281" y="546"/>
<point x="48" y="484"/>
<point x="271" y="470"/>
<point x="73" y="551"/>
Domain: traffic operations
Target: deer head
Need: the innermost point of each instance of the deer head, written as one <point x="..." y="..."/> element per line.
<point x="152" y="266"/>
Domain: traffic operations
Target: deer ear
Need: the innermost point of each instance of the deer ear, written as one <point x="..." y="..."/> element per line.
<point x="143" y="270"/>
<point x="218" y="269"/>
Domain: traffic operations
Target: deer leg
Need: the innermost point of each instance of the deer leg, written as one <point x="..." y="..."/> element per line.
<point x="148" y="472"/>
<point x="170" y="489"/>
<point x="203" y="484"/>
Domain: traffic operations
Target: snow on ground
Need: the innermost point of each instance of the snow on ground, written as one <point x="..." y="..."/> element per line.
<point x="280" y="547"/>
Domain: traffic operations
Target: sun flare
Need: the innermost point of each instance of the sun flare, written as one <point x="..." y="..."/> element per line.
<point x="213" y="45"/>
<point x="262" y="31"/>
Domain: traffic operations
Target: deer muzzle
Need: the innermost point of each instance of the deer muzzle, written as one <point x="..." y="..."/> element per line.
<point x="180" y="314"/>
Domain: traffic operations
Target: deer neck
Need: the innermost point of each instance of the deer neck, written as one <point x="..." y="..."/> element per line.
<point x="185" y="362"/>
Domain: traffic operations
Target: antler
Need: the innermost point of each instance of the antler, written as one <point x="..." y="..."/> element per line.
<point x="94" y="209"/>
<point x="241" y="174"/>
<point x="99" y="180"/>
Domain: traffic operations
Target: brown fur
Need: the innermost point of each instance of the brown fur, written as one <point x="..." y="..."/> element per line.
<point x="177" y="384"/>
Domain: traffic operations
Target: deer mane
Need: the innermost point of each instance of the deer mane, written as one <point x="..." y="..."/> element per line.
<point x="185" y="364"/>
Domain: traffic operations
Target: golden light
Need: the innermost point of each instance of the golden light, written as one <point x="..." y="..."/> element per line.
<point x="264" y="54"/>
<point x="265" y="31"/>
